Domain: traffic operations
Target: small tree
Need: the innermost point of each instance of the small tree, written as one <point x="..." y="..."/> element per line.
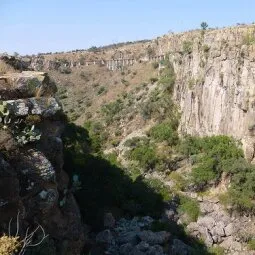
<point x="204" y="25"/>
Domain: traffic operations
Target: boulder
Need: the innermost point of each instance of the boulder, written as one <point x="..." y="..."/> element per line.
<point x="207" y="222"/>
<point x="46" y="107"/>
<point x="230" y="244"/>
<point x="229" y="229"/>
<point x="128" y="237"/>
<point x="218" y="229"/>
<point x="153" y="238"/>
<point x="26" y="84"/>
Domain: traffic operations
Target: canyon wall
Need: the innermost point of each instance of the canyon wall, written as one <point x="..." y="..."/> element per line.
<point x="215" y="83"/>
<point x="215" y="77"/>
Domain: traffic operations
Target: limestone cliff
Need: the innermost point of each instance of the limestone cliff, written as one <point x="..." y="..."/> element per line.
<point x="215" y="77"/>
<point x="32" y="181"/>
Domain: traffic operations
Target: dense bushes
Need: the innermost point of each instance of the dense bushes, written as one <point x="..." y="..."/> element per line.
<point x="112" y="109"/>
<point x="189" y="207"/>
<point x="167" y="76"/>
<point x="144" y="155"/>
<point x="165" y="131"/>
<point x="102" y="90"/>
<point x="241" y="193"/>
<point x="209" y="154"/>
<point x="159" y="106"/>
<point x="187" y="47"/>
<point x="97" y="135"/>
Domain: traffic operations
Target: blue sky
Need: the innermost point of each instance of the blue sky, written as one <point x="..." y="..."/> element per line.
<point x="32" y="26"/>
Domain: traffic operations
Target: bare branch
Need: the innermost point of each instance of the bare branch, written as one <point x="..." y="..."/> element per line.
<point x="27" y="241"/>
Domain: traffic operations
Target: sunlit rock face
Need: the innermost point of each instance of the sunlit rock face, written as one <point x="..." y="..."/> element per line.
<point x="32" y="182"/>
<point x="215" y="80"/>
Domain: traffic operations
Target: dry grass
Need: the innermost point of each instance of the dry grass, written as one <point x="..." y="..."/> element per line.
<point x="9" y="245"/>
<point x="4" y="68"/>
<point x="79" y="90"/>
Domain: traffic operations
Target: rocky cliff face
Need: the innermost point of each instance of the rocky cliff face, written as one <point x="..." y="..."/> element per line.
<point x="215" y="72"/>
<point x="215" y="82"/>
<point x="32" y="181"/>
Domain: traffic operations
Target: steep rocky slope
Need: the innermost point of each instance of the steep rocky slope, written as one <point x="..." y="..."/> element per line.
<point x="33" y="183"/>
<point x="214" y="77"/>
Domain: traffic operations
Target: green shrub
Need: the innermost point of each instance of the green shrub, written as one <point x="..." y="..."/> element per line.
<point x="187" y="47"/>
<point x="249" y="38"/>
<point x="190" y="207"/>
<point x="102" y="90"/>
<point x="190" y="145"/>
<point x="125" y="82"/>
<point x="165" y="131"/>
<point x="167" y="76"/>
<point x="159" y="187"/>
<point x="204" y="25"/>
<point x="93" y="49"/>
<point x="153" y="79"/>
<point x="145" y="155"/>
<point x="211" y="156"/>
<point x="251" y="244"/>
<point x="155" y="65"/>
<point x="104" y="184"/>
<point x="205" y="172"/>
<point x="135" y="141"/>
<point x="159" y="106"/>
<point x="206" y="48"/>
<point x="179" y="181"/>
<point x="216" y="250"/>
<point x="97" y="135"/>
<point x="241" y="193"/>
<point x="112" y="109"/>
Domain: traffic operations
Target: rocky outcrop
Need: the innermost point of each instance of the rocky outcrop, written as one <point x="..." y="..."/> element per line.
<point x="133" y="237"/>
<point x="215" y="76"/>
<point x="32" y="182"/>
<point x="16" y="63"/>
<point x="217" y="227"/>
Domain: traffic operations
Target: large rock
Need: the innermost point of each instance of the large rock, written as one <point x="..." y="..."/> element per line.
<point x="207" y="222"/>
<point x="26" y="84"/>
<point x="128" y="237"/>
<point x="229" y="229"/>
<point x="32" y="180"/>
<point x="153" y="238"/>
<point x="231" y="245"/>
<point x="45" y="107"/>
